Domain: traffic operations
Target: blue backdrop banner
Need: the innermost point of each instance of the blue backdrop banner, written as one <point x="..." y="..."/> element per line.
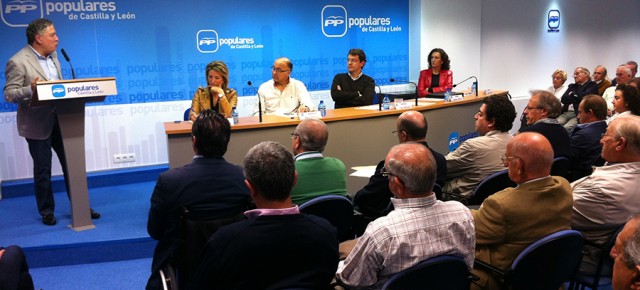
<point x="157" y="51"/>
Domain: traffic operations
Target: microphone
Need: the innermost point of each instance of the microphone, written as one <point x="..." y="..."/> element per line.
<point x="475" y="83"/>
<point x="66" y="57"/>
<point x="259" y="101"/>
<point x="408" y="82"/>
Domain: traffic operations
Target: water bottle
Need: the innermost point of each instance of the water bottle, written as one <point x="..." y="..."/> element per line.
<point x="474" y="89"/>
<point x="322" y="108"/>
<point x="234" y="115"/>
<point x="386" y="103"/>
<point x="447" y="95"/>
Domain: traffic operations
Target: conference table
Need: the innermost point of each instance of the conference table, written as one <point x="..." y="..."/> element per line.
<point x="360" y="136"/>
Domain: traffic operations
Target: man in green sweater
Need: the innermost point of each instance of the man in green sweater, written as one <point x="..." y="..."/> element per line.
<point x="317" y="175"/>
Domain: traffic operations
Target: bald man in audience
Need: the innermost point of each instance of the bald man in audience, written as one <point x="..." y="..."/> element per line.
<point x="479" y="157"/>
<point x="626" y="256"/>
<point x="585" y="137"/>
<point x="420" y="226"/>
<point x="317" y="175"/>
<point x="541" y="113"/>
<point x="373" y="199"/>
<point x="624" y="74"/>
<point x="603" y="200"/>
<point x="510" y="220"/>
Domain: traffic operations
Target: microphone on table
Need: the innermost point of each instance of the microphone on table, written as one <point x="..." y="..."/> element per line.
<point x="66" y="57"/>
<point x="408" y="82"/>
<point x="259" y="101"/>
<point x="475" y="84"/>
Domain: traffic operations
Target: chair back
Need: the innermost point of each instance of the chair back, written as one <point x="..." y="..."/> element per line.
<point x="336" y="209"/>
<point x="186" y="115"/>
<point x="439" y="273"/>
<point x="604" y="267"/>
<point x="560" y="167"/>
<point x="490" y="185"/>
<point x="548" y="262"/>
<point x="196" y="231"/>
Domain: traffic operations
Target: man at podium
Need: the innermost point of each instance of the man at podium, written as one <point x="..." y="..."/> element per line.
<point x="38" y="61"/>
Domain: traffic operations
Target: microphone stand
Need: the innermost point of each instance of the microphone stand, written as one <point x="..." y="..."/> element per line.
<point x="66" y="57"/>
<point x="407" y="82"/>
<point x="259" y="102"/>
<point x="475" y="83"/>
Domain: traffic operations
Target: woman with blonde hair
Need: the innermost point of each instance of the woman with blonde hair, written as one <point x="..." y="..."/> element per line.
<point x="216" y="96"/>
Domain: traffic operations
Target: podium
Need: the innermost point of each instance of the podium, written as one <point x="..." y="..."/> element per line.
<point x="69" y="98"/>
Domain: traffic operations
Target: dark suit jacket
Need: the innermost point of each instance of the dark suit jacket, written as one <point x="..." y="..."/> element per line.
<point x="373" y="199"/>
<point x="575" y="92"/>
<point x="510" y="220"/>
<point x="33" y="122"/>
<point x="557" y="136"/>
<point x="206" y="182"/>
<point x="586" y="148"/>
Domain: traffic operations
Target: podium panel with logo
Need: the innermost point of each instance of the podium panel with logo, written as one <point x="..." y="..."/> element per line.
<point x="69" y="98"/>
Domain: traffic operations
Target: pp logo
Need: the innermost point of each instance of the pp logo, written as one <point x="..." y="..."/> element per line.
<point x="207" y="41"/>
<point x="553" y="20"/>
<point x="453" y="141"/>
<point x="18" y="13"/>
<point x="58" y="91"/>
<point x="334" y="21"/>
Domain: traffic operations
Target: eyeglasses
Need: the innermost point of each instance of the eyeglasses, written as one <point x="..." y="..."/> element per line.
<point x="352" y="60"/>
<point x="294" y="134"/>
<point x="277" y="70"/>
<point x="397" y="131"/>
<point x="385" y="173"/>
<point x="505" y="158"/>
<point x="607" y="135"/>
<point x="532" y="108"/>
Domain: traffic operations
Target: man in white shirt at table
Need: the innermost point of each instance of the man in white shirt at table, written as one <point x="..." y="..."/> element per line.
<point x="283" y="95"/>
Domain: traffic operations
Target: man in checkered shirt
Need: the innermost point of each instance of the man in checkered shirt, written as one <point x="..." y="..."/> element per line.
<point x="420" y="227"/>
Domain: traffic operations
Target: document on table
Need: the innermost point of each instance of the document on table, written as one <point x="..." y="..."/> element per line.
<point x="363" y="171"/>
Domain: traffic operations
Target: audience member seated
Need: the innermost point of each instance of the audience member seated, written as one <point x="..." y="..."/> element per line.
<point x="585" y="138"/>
<point x="626" y="256"/>
<point x="541" y="113"/>
<point x="623" y="76"/>
<point x="277" y="248"/>
<point x="633" y="68"/>
<point x="510" y="220"/>
<point x="373" y="199"/>
<point x="283" y="94"/>
<point x="208" y="181"/>
<point x="216" y="96"/>
<point x="574" y="94"/>
<point x="420" y="227"/>
<point x="601" y="79"/>
<point x="625" y="102"/>
<point x="14" y="270"/>
<point x="558" y="78"/>
<point x="609" y="195"/>
<point x="479" y="157"/>
<point x="353" y="88"/>
<point x="635" y="82"/>
<point x="317" y="175"/>
<point x="438" y="77"/>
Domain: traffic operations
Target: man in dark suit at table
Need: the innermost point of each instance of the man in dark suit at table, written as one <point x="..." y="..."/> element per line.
<point x="207" y="182"/>
<point x="510" y="220"/>
<point x="353" y="88"/>
<point x="373" y="199"/>
<point x="38" y="61"/>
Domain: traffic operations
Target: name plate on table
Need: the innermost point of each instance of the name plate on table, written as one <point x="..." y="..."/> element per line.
<point x="76" y="89"/>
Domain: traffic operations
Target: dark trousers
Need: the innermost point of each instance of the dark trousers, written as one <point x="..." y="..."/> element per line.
<point x="41" y="154"/>
<point x="14" y="271"/>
